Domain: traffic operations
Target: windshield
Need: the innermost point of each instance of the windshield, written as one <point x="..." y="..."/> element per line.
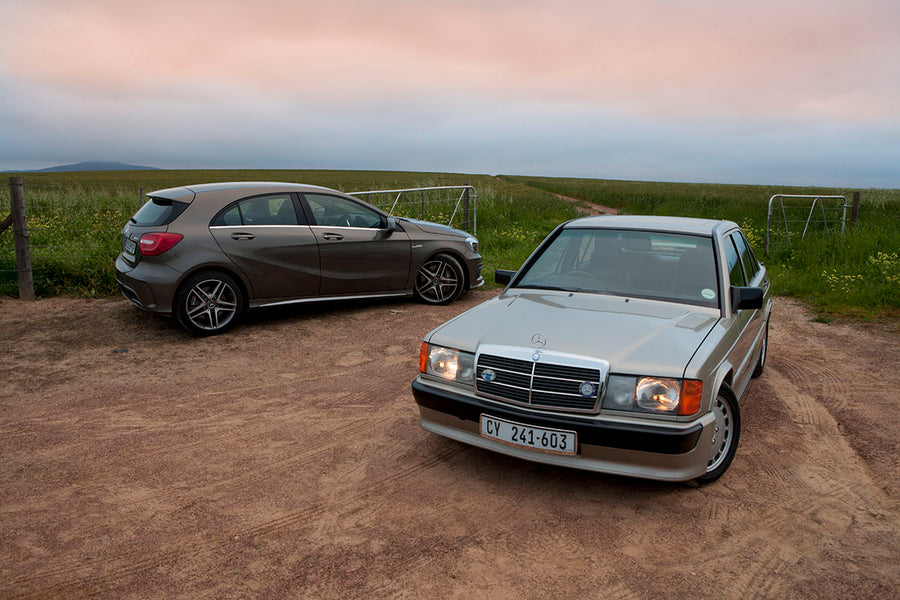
<point x="645" y="264"/>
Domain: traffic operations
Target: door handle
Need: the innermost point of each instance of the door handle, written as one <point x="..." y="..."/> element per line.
<point x="242" y="236"/>
<point x="332" y="236"/>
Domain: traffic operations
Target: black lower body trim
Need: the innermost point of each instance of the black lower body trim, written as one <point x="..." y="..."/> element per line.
<point x="644" y="438"/>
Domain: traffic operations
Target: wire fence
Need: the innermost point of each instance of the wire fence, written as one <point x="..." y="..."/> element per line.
<point x="792" y="218"/>
<point x="796" y="216"/>
<point x="73" y="238"/>
<point x="455" y="205"/>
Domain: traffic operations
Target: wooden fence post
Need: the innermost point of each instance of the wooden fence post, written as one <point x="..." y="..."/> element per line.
<point x="20" y="234"/>
<point x="854" y="212"/>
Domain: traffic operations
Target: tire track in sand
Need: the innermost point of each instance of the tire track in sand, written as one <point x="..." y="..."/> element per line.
<point x="127" y="567"/>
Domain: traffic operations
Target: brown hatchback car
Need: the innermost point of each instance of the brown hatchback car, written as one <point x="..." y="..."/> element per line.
<point x="207" y="253"/>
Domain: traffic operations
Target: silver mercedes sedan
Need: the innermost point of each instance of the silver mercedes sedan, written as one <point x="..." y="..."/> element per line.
<point x="623" y="345"/>
<point x="207" y="253"/>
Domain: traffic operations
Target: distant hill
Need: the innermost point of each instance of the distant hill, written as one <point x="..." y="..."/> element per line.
<point x="95" y="166"/>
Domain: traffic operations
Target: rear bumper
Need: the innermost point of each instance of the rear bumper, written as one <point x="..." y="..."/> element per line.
<point x="676" y="452"/>
<point x="147" y="286"/>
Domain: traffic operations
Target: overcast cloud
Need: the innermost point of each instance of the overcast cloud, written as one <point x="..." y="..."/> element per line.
<point x="776" y="92"/>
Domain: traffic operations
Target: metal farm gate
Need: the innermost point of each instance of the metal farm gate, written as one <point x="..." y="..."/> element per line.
<point x="825" y="213"/>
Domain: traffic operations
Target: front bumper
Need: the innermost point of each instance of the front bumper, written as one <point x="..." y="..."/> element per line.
<point x="672" y="452"/>
<point x="475" y="278"/>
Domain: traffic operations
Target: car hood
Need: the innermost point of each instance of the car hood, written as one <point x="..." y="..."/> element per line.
<point x="637" y="337"/>
<point x="430" y="227"/>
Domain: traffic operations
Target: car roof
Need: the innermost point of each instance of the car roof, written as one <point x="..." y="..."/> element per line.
<point x="235" y="189"/>
<point x="689" y="225"/>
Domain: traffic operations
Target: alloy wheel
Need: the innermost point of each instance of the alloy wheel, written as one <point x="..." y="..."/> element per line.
<point x="211" y="304"/>
<point x="438" y="281"/>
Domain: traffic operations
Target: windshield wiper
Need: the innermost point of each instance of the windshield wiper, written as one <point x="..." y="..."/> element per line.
<point x="555" y="288"/>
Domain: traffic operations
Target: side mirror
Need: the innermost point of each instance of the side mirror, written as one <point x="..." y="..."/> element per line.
<point x="746" y="297"/>
<point x="390" y="226"/>
<point x="503" y="277"/>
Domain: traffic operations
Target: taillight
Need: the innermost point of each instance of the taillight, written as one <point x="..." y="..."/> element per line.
<point x="154" y="244"/>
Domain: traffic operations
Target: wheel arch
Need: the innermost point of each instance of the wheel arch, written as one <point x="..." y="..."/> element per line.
<point x="246" y="288"/>
<point x="724" y="377"/>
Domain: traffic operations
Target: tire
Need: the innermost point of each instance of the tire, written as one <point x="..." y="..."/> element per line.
<point x="439" y="280"/>
<point x="209" y="303"/>
<point x="726" y="436"/>
<point x="764" y="350"/>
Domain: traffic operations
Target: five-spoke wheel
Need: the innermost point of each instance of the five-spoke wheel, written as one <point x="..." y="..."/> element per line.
<point x="439" y="280"/>
<point x="209" y="303"/>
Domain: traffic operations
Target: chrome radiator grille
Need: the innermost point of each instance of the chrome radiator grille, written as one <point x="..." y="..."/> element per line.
<point x="550" y="382"/>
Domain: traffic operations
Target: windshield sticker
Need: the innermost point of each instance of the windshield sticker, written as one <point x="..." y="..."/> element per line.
<point x="708" y="294"/>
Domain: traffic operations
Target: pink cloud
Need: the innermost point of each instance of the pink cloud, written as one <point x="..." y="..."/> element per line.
<point x="782" y="59"/>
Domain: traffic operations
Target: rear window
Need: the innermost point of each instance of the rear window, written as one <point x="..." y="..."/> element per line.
<point x="157" y="212"/>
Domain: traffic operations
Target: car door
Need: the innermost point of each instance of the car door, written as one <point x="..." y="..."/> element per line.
<point x="756" y="277"/>
<point x="746" y="322"/>
<point x="269" y="241"/>
<point x="357" y="252"/>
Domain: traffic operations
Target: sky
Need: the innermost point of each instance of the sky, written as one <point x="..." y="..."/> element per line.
<point x="789" y="92"/>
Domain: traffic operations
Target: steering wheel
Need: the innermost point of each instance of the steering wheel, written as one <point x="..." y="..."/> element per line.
<point x="579" y="272"/>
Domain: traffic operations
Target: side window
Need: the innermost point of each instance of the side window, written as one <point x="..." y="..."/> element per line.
<point x="751" y="267"/>
<point x="232" y="216"/>
<point x="733" y="262"/>
<point x="331" y="211"/>
<point x="262" y="210"/>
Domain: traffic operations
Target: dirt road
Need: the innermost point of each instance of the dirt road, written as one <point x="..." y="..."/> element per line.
<point x="284" y="460"/>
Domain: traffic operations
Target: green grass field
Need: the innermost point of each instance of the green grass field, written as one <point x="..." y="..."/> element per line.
<point x="75" y="219"/>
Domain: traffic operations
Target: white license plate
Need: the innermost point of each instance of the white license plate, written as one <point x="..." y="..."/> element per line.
<point x="128" y="248"/>
<point x="543" y="439"/>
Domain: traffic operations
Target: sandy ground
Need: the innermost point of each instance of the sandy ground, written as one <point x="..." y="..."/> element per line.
<point x="586" y="207"/>
<point x="284" y="460"/>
